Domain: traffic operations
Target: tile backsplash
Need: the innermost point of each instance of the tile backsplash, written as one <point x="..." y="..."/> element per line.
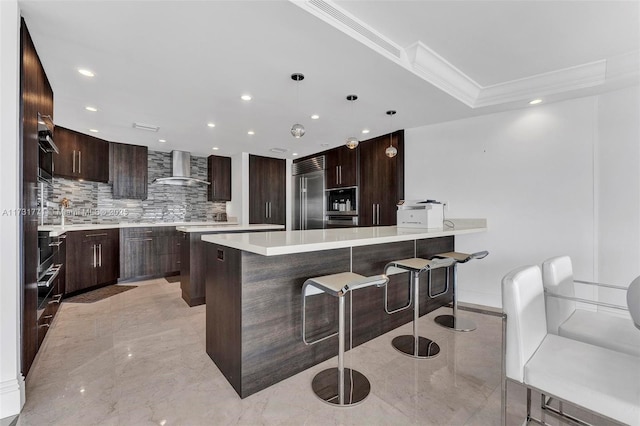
<point x="92" y="202"/>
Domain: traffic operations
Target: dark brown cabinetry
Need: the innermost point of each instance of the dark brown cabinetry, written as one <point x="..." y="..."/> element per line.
<point x="341" y="167"/>
<point x="92" y="259"/>
<point x="267" y="188"/>
<point x="219" y="173"/>
<point x="128" y="170"/>
<point x="149" y="251"/>
<point x="36" y="98"/>
<point x="81" y="156"/>
<point x="381" y="180"/>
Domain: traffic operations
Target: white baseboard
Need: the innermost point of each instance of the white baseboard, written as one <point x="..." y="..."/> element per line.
<point x="12" y="397"/>
<point x="478" y="298"/>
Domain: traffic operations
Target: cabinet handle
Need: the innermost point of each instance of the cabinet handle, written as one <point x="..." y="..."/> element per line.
<point x="214" y="187"/>
<point x="100" y="255"/>
<point x="104" y="234"/>
<point x="94" y="255"/>
<point x="73" y="168"/>
<point x="378" y="206"/>
<point x="337" y="175"/>
<point x="266" y="210"/>
<point x="269" y="209"/>
<point x="56" y="299"/>
<point x="373" y="214"/>
<point x="79" y="161"/>
<point x="340" y="168"/>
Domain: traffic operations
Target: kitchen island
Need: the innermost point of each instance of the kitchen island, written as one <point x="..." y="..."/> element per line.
<point x="253" y="292"/>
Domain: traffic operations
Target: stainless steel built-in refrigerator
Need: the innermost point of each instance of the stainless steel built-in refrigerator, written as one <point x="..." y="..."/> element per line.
<point x="308" y="192"/>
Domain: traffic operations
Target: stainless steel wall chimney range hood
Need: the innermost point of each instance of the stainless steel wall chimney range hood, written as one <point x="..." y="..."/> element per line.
<point x="181" y="171"/>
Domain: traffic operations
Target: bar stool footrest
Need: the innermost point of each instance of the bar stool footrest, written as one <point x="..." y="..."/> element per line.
<point x="455" y="324"/>
<point x="405" y="344"/>
<point x="356" y="386"/>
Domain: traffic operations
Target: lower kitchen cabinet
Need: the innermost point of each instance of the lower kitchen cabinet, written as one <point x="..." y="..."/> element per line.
<point x="92" y="259"/>
<point x="149" y="251"/>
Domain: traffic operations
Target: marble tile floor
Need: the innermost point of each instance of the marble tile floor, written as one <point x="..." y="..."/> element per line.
<point x="138" y="358"/>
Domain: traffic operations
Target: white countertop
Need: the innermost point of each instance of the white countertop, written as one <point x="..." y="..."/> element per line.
<point x="228" y="228"/>
<point x="56" y="230"/>
<point x="290" y="242"/>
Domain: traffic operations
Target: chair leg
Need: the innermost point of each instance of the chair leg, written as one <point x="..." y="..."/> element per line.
<point x="454" y="321"/>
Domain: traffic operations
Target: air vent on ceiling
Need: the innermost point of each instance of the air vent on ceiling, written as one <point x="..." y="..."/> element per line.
<point x="278" y="150"/>
<point x="356" y="26"/>
<point x="148" y="127"/>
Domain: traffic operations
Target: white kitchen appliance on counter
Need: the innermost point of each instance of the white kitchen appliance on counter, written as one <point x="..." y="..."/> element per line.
<point x="420" y="214"/>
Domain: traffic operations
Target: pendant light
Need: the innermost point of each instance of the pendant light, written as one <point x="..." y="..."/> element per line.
<point x="391" y="151"/>
<point x="352" y="142"/>
<point x="297" y="130"/>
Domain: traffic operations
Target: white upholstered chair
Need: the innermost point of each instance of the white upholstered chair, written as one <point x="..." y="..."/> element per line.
<point x="594" y="327"/>
<point x="597" y="379"/>
<point x="633" y="301"/>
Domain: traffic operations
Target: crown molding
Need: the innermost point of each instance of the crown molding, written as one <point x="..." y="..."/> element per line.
<point x="435" y="69"/>
<point x="427" y="64"/>
<point x="550" y="83"/>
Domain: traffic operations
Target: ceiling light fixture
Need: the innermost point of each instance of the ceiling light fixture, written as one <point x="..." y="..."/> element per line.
<point x="148" y="127"/>
<point x="246" y="97"/>
<point x="297" y="130"/>
<point x="211" y="124"/>
<point x="535" y="102"/>
<point x="162" y="140"/>
<point x="215" y="148"/>
<point x="90" y="108"/>
<point x="352" y="142"/>
<point x="251" y="132"/>
<point x="365" y="131"/>
<point x="315" y="116"/>
<point x="391" y="151"/>
<point x="86" y="72"/>
<point x="94" y="130"/>
<point x="294" y="154"/>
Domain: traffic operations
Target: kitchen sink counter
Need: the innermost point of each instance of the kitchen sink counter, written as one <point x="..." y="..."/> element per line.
<point x="290" y="242"/>
<point x="230" y="227"/>
<point x="57" y="230"/>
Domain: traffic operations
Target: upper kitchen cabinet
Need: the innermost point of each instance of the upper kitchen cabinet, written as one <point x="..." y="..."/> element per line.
<point x="81" y="156"/>
<point x="267" y="190"/>
<point x="219" y="173"/>
<point x="128" y="170"/>
<point x="381" y="180"/>
<point x="342" y="167"/>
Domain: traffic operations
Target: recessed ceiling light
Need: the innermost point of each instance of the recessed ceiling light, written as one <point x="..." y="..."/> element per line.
<point x="211" y="125"/>
<point x="90" y="108"/>
<point x="315" y="116"/>
<point x="86" y="72"/>
<point x="162" y="140"/>
<point x="94" y="130"/>
<point x="279" y="150"/>
<point x="294" y="154"/>
<point x="365" y="131"/>
<point x="251" y="132"/>
<point x="535" y="102"/>
<point x="245" y="97"/>
<point x="215" y="148"/>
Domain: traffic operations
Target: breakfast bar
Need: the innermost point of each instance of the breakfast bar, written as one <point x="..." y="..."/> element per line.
<point x="253" y="294"/>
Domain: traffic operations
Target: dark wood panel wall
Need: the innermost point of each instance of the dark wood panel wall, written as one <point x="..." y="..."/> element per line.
<point x="36" y="96"/>
<point x="253" y="314"/>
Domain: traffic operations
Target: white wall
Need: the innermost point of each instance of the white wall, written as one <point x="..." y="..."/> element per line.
<point x="618" y="190"/>
<point x="11" y="381"/>
<point x="532" y="173"/>
<point x="239" y="204"/>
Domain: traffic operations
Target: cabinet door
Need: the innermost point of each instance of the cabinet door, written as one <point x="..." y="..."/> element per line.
<point x="65" y="162"/>
<point x="93" y="158"/>
<point x="128" y="170"/>
<point x="81" y="261"/>
<point x="108" y="264"/>
<point x="277" y="192"/>
<point x="342" y="167"/>
<point x="219" y="172"/>
<point x="258" y="208"/>
<point x="381" y="181"/>
<point x="332" y="168"/>
<point x="137" y="257"/>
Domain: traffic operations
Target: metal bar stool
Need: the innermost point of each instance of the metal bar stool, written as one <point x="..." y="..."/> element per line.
<point x="454" y="321"/>
<point x="415" y="345"/>
<point x="330" y="384"/>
